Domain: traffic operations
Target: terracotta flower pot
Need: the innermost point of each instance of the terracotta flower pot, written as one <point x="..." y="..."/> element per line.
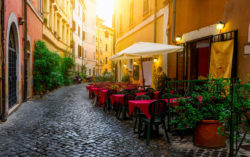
<point x="206" y="134"/>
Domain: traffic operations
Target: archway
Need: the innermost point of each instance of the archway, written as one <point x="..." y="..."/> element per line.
<point x="12" y="67"/>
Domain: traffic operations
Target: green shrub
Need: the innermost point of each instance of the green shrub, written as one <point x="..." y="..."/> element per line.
<point x="67" y="64"/>
<point x="125" y="78"/>
<point x="50" y="70"/>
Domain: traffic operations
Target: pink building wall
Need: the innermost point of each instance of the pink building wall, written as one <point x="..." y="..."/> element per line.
<point x="15" y="8"/>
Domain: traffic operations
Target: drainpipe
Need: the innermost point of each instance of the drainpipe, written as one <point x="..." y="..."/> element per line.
<point x="3" y="117"/>
<point x="25" y="51"/>
<point x="173" y="22"/>
<point x="155" y="18"/>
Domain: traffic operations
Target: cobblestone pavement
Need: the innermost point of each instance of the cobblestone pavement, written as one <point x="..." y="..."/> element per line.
<point x="65" y="123"/>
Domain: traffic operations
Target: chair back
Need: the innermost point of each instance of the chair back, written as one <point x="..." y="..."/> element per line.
<point x="157" y="109"/>
<point x="110" y="92"/>
<point x="128" y="97"/>
<point x="133" y="91"/>
<point x="142" y="97"/>
<point x="150" y="94"/>
<point x="169" y="96"/>
<point x="150" y="90"/>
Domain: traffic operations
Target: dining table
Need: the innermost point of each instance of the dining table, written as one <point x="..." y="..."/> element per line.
<point x="103" y="97"/>
<point x="143" y="105"/>
<point x="119" y="98"/>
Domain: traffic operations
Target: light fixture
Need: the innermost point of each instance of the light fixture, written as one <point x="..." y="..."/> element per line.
<point x="134" y="62"/>
<point x="220" y="25"/>
<point x="124" y="65"/>
<point x="178" y="38"/>
<point x="155" y="60"/>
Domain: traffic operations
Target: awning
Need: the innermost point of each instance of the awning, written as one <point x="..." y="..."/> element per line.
<point x="145" y="49"/>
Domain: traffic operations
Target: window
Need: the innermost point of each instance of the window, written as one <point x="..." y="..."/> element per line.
<point x="120" y="26"/>
<point x="83" y="35"/>
<point x="79" y="33"/>
<point x="145" y="6"/>
<point x="83" y="17"/>
<point x="74" y="26"/>
<point x="131" y="12"/>
<point x="40" y="7"/>
<point x="79" y="51"/>
<point x="93" y="71"/>
<point x="79" y="10"/>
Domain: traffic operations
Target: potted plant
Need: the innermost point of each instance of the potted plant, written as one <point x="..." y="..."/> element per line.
<point x="206" y="111"/>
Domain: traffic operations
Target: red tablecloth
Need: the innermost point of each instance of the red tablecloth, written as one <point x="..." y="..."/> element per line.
<point x="96" y="90"/>
<point x="156" y="94"/>
<point x="103" y="96"/>
<point x="89" y="86"/>
<point x="117" y="98"/>
<point x="143" y="105"/>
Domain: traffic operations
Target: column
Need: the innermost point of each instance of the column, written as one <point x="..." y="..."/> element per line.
<point x="52" y="19"/>
<point x="69" y="37"/>
<point x="60" y="27"/>
<point x="65" y="33"/>
<point x="55" y="22"/>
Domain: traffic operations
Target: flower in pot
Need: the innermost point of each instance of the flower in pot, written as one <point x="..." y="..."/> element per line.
<point x="205" y="111"/>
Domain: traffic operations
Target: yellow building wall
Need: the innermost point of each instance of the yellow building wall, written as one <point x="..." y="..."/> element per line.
<point x="145" y="34"/>
<point x="57" y="32"/>
<point x="102" y="53"/>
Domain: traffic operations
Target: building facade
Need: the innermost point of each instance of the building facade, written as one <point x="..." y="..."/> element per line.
<point x="89" y="44"/>
<point x="78" y="25"/>
<point x="201" y="38"/>
<point x="57" y="26"/>
<point x="104" y="48"/>
<point x="195" y="23"/>
<point x="18" y="55"/>
<point x="140" y="21"/>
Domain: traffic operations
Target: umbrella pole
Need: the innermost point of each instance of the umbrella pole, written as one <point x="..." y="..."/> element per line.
<point x="142" y="74"/>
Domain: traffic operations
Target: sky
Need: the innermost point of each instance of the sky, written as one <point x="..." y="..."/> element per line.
<point x="105" y="10"/>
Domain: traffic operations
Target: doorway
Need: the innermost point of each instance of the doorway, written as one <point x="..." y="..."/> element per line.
<point x="12" y="68"/>
<point x="147" y="70"/>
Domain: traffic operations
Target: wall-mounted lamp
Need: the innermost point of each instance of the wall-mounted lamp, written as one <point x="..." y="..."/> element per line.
<point x="134" y="62"/>
<point x="178" y="38"/>
<point x="155" y="60"/>
<point x="125" y="66"/>
<point x="220" y="25"/>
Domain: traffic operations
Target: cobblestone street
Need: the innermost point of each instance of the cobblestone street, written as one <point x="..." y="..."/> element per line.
<point x="65" y="123"/>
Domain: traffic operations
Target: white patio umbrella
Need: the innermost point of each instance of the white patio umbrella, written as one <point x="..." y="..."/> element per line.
<point x="145" y="49"/>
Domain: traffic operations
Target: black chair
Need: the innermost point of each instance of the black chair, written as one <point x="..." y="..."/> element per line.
<point x="150" y="94"/>
<point x="170" y="113"/>
<point x="123" y="109"/>
<point x="137" y="112"/>
<point x="108" y="105"/>
<point x="150" y="90"/>
<point x="157" y="111"/>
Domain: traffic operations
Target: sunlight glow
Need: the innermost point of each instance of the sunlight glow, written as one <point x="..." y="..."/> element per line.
<point x="105" y="9"/>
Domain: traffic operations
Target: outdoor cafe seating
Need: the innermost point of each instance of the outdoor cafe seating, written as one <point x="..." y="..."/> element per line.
<point x="129" y="101"/>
